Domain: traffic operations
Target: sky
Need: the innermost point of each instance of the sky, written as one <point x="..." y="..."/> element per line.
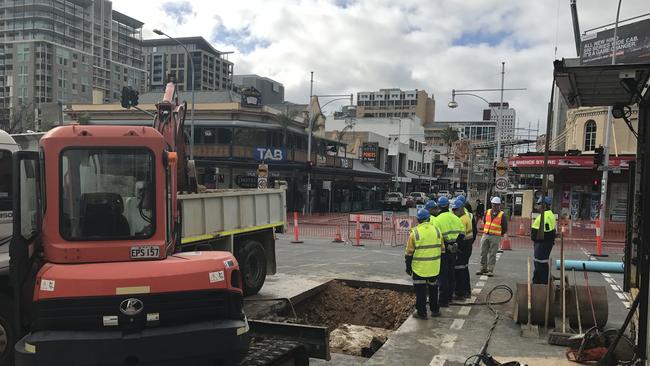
<point x="365" y="45"/>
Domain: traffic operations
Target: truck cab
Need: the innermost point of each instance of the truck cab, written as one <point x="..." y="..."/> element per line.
<point x="96" y="276"/>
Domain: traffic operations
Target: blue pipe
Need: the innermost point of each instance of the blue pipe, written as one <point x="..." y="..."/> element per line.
<point x="592" y="266"/>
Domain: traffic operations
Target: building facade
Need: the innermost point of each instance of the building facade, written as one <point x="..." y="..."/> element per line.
<point x="507" y="119"/>
<point x="163" y="56"/>
<point x="387" y="103"/>
<point x="63" y="52"/>
<point x="576" y="181"/>
<point x="271" y="90"/>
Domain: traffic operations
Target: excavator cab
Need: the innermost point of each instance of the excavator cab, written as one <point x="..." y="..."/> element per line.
<point x="93" y="265"/>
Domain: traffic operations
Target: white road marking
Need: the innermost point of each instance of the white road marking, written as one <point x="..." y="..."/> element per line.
<point x="471" y="300"/>
<point x="464" y="310"/>
<point x="483" y="278"/>
<point x="610" y="280"/>
<point x="607" y="275"/>
<point x="614" y="287"/>
<point x="476" y="291"/>
<point x="437" y="361"/>
<point x="621" y="296"/>
<point x="457" y="324"/>
<point x="480" y="284"/>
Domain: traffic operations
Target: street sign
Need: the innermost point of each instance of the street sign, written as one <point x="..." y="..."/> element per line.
<point x="262" y="170"/>
<point x="501" y="184"/>
<point x="262" y="183"/>
<point x="502" y="168"/>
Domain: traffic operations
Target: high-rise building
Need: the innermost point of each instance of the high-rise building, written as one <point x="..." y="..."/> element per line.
<point x="58" y="52"/>
<point x="387" y="103"/>
<point x="506" y="118"/>
<point x="272" y="91"/>
<point x="164" y="56"/>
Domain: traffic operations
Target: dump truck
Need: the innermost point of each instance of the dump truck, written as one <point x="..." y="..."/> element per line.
<point x="109" y="263"/>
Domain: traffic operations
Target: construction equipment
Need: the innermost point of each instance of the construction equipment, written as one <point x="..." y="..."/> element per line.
<point x="100" y="276"/>
<point x="529" y="330"/>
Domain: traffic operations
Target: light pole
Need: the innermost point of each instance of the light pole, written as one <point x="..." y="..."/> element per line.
<point x="399" y="135"/>
<point x="310" y="120"/>
<point x="191" y="62"/>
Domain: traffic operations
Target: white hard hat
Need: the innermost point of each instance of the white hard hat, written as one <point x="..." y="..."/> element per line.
<point x="496" y="200"/>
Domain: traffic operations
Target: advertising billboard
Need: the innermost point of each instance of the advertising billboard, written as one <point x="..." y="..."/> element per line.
<point x="632" y="46"/>
<point x="369" y="151"/>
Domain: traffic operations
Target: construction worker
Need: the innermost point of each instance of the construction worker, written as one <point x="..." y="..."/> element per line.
<point x="480" y="210"/>
<point x="543" y="242"/>
<point x="432" y="207"/>
<point x="422" y="257"/>
<point x="495" y="225"/>
<point x="462" y="287"/>
<point x="453" y="231"/>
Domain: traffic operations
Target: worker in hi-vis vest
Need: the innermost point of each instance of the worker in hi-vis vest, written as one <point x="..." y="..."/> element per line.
<point x="495" y="226"/>
<point x="462" y="288"/>
<point x="453" y="232"/>
<point x="543" y="243"/>
<point x="422" y="256"/>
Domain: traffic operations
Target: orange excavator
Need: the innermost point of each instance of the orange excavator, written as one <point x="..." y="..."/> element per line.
<point x="96" y="275"/>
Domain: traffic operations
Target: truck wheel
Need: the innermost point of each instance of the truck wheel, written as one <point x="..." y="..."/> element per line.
<point x="252" y="263"/>
<point x="7" y="332"/>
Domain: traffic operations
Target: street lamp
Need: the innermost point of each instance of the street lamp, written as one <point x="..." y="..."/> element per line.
<point x="191" y="62"/>
<point x="310" y="120"/>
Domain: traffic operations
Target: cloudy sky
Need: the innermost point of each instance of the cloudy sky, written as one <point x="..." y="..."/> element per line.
<point x="360" y="45"/>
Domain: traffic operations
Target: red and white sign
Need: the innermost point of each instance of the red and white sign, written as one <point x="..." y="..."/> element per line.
<point x="571" y="162"/>
<point x="367" y="218"/>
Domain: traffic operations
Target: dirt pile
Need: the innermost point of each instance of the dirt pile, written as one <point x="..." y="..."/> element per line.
<point x="341" y="304"/>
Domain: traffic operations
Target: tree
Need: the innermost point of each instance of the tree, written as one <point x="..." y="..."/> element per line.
<point x="285" y="119"/>
<point x="449" y="136"/>
<point x="22" y="117"/>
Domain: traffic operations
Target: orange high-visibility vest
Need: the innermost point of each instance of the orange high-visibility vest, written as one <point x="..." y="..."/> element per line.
<point x="492" y="226"/>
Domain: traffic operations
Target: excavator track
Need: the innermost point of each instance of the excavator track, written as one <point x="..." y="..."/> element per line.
<point x="275" y="352"/>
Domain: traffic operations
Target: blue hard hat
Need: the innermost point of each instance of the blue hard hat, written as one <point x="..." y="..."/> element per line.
<point x="423" y="214"/>
<point x="443" y="201"/>
<point x="461" y="198"/>
<point x="457" y="204"/>
<point x="430" y="204"/>
<point x="546" y="199"/>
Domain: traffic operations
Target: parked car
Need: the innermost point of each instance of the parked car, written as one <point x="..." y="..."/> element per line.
<point x="416" y="198"/>
<point x="394" y="201"/>
<point x="459" y="192"/>
<point x="444" y="194"/>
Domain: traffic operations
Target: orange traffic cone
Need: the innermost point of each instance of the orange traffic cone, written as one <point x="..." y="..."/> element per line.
<point x="505" y="243"/>
<point x="521" y="232"/>
<point x="337" y="236"/>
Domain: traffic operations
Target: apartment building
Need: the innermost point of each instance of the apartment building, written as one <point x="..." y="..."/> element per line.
<point x="212" y="71"/>
<point x="507" y="123"/>
<point x="59" y="52"/>
<point x="272" y="92"/>
<point x="387" y="103"/>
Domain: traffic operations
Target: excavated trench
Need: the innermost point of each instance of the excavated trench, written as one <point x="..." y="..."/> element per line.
<point x="360" y="315"/>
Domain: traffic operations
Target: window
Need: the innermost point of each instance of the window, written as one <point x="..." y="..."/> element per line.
<point x="410" y="165"/>
<point x="107" y="194"/>
<point x="22" y="52"/>
<point x="590" y="135"/>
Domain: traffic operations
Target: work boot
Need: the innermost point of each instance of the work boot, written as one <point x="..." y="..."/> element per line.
<point x="480" y="272"/>
<point x="435" y="314"/>
<point x="417" y="315"/>
<point x="489" y="273"/>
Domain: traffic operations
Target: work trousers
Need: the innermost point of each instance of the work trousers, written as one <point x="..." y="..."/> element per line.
<point x="424" y="286"/>
<point x="542" y="252"/>
<point x="462" y="286"/>
<point x="447" y="263"/>
<point x="489" y="249"/>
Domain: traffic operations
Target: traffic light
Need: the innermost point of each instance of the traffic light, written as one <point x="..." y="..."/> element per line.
<point x="599" y="156"/>
<point x="595" y="185"/>
<point x="129" y="97"/>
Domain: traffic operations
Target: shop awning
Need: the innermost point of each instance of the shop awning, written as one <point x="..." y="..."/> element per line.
<point x="601" y="85"/>
<point x="360" y="167"/>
